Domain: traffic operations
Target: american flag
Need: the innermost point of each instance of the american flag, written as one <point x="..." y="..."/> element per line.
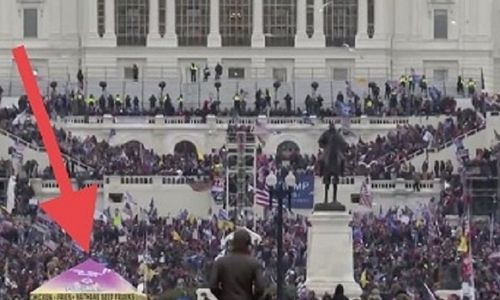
<point x="261" y="196"/>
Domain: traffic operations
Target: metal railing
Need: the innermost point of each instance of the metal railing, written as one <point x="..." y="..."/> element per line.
<point x="295" y="81"/>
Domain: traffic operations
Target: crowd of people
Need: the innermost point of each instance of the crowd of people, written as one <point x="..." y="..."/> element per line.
<point x="383" y="158"/>
<point x="386" y="156"/>
<point x="171" y="256"/>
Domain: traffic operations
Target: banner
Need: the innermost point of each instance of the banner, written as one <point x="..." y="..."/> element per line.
<point x="303" y="195"/>
<point x="88" y="296"/>
<point x="218" y="190"/>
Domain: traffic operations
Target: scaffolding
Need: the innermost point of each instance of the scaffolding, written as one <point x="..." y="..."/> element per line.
<point x="240" y="172"/>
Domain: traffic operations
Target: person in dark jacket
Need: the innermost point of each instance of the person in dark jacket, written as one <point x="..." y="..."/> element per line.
<point x="237" y="276"/>
<point x="339" y="293"/>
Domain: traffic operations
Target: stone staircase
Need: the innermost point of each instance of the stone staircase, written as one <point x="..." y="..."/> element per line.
<point x="35" y="152"/>
<point x="473" y="139"/>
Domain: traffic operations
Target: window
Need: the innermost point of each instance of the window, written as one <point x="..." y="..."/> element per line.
<point x="440" y="24"/>
<point x="280" y="22"/>
<point x="440" y="75"/>
<point x="279" y="74"/>
<point x="193" y="22"/>
<point x="132" y="22"/>
<point x="236" y="73"/>
<point x="30" y="22"/>
<point x="341" y="22"/>
<point x="236" y="22"/>
<point x="310" y="18"/>
<point x="371" y="17"/>
<point x="101" y="17"/>
<point x="162" y="18"/>
<point x="340" y="74"/>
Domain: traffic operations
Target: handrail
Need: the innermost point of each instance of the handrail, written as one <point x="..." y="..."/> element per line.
<point x="438" y="148"/>
<point x="38" y="148"/>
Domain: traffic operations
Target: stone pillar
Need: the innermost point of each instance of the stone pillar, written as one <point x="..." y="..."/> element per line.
<point x="92" y="19"/>
<point x="154" y="38"/>
<point x="301" y="38"/>
<point x="258" y="39"/>
<point x="170" y="35"/>
<point x="109" y="10"/>
<point x="318" y="39"/>
<point x="5" y="21"/>
<point x="362" y="19"/>
<point x="330" y="255"/>
<point x="55" y="18"/>
<point x="381" y="15"/>
<point x="214" y="39"/>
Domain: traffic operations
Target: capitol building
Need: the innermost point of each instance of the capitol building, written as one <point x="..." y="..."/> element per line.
<point x="274" y="40"/>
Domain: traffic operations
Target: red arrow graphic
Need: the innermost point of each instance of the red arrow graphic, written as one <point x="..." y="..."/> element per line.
<point x="72" y="210"/>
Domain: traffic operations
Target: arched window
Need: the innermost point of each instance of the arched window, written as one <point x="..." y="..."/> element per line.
<point x="341" y="22"/>
<point x="286" y="148"/>
<point x="236" y="22"/>
<point x="132" y="22"/>
<point x="193" y="22"/>
<point x="185" y="148"/>
<point x="280" y="22"/>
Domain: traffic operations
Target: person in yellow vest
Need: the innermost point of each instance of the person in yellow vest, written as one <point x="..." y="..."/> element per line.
<point x="180" y="103"/>
<point x="237" y="103"/>
<point x="471" y="87"/>
<point x="91" y="102"/>
<point x="460" y="86"/>
<point x="118" y="103"/>
<point x="194" y="72"/>
<point x="117" y="219"/>
<point x="402" y="81"/>
<point x="369" y="105"/>
<point x="423" y="85"/>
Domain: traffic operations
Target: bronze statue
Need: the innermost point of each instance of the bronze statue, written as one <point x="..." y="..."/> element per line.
<point x="332" y="159"/>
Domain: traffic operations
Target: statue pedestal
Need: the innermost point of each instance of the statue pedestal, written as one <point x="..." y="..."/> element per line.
<point x="330" y="254"/>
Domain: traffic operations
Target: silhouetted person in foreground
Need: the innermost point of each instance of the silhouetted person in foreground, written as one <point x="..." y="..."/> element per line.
<point x="339" y="293"/>
<point x="238" y="276"/>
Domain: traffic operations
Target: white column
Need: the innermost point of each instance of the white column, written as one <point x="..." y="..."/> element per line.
<point x="214" y="39"/>
<point x="170" y="35"/>
<point x="415" y="16"/>
<point x="330" y="236"/>
<point x="318" y="39"/>
<point x="55" y="18"/>
<point x="301" y="38"/>
<point x="154" y="38"/>
<point x="92" y="19"/>
<point x="380" y="19"/>
<point x="6" y="12"/>
<point x="258" y="39"/>
<point x="109" y="32"/>
<point x="362" y="19"/>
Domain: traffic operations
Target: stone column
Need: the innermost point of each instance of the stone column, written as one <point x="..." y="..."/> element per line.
<point x="362" y="19"/>
<point x="258" y="39"/>
<point x="154" y="34"/>
<point x="330" y="255"/>
<point x="301" y="38"/>
<point x="214" y="39"/>
<point x="109" y="10"/>
<point x="92" y="19"/>
<point x="318" y="39"/>
<point x="380" y="18"/>
<point x="170" y="35"/>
